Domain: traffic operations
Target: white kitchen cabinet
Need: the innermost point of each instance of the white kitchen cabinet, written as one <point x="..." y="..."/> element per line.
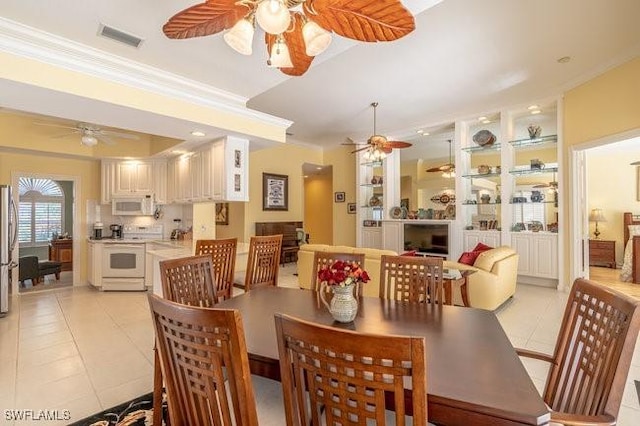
<point x="473" y="237"/>
<point x="372" y="237"/>
<point x="106" y="187"/>
<point x="538" y="256"/>
<point x="94" y="265"/>
<point x="172" y="177"/>
<point x="207" y="174"/>
<point x="133" y="177"/>
<point x="392" y="236"/>
<point x="160" y="181"/>
<point x="195" y="175"/>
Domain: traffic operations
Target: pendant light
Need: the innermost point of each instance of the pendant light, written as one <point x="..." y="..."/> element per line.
<point x="273" y="16"/>
<point x="280" y="57"/>
<point x="316" y="38"/>
<point x="240" y="36"/>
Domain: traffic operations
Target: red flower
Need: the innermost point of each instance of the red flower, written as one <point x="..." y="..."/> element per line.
<point x="342" y="273"/>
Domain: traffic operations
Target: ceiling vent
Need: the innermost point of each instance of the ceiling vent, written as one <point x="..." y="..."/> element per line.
<point x="119" y="36"/>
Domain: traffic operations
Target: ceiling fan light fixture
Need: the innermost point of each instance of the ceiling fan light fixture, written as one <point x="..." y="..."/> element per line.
<point x="316" y="38"/>
<point x="273" y="16"/>
<point x="280" y="57"/>
<point x="89" y="140"/>
<point x="240" y="36"/>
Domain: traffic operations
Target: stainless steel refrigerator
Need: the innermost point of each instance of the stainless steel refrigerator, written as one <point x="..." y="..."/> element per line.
<point x="8" y="239"/>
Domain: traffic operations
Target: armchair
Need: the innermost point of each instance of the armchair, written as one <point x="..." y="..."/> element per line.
<point x="28" y="269"/>
<point x="494" y="278"/>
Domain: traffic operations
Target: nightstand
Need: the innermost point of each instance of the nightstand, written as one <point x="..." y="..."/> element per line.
<point x="602" y="252"/>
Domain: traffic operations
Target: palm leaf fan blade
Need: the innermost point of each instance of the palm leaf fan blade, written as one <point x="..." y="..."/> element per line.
<point x="363" y="20"/>
<point x="297" y="49"/>
<point x="204" y="19"/>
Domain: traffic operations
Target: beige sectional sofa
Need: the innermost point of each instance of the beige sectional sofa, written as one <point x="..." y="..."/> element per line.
<point x="371" y="264"/>
<point x="492" y="283"/>
<point x="494" y="279"/>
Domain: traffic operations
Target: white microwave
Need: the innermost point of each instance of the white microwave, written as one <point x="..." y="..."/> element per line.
<point x="133" y="206"/>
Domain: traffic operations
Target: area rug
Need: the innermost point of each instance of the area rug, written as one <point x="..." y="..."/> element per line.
<point x="138" y="411"/>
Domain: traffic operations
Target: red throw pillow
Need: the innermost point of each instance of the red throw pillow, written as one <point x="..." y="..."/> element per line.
<point x="482" y="247"/>
<point x="411" y="253"/>
<point x="469" y="257"/>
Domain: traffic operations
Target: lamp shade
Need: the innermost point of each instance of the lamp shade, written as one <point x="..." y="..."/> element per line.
<point x="273" y="16"/>
<point x="280" y="57"/>
<point x="316" y="38"/>
<point x="596" y="215"/>
<point x="240" y="37"/>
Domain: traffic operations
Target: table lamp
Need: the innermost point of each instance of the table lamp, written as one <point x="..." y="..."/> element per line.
<point x="596" y="216"/>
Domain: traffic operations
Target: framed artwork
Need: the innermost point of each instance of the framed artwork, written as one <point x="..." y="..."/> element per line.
<point x="222" y="213"/>
<point x="275" y="192"/>
<point x="351" y="208"/>
<point x="339" y="197"/>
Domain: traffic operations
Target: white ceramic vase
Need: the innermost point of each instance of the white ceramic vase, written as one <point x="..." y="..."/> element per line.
<point x="343" y="306"/>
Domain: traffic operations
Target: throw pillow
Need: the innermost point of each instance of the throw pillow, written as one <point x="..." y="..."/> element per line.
<point x="482" y="247"/>
<point x="469" y="257"/>
<point x="411" y="253"/>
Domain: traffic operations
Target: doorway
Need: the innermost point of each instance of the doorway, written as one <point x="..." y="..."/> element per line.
<point x="318" y="203"/>
<point x="46" y="251"/>
<point x="602" y="181"/>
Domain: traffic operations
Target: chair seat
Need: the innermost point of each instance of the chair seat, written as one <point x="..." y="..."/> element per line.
<point x="49" y="267"/>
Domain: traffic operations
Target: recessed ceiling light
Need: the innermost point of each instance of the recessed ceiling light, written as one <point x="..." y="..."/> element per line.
<point x="178" y="152"/>
<point x="318" y="168"/>
<point x="420" y="131"/>
<point x="533" y="107"/>
<point x="564" y="59"/>
<point x="482" y="118"/>
<point x="198" y="133"/>
<point x="485" y="121"/>
<point x="305" y="176"/>
<point x="536" y="111"/>
<point x="425" y="134"/>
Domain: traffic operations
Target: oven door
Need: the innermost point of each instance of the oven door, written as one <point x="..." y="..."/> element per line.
<point x="123" y="261"/>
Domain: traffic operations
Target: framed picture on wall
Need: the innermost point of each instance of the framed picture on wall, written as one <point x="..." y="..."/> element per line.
<point x="339" y="197"/>
<point x="222" y="213"/>
<point x="275" y="192"/>
<point x="351" y="208"/>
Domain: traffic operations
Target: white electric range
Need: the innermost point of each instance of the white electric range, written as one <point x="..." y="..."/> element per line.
<point x="123" y="260"/>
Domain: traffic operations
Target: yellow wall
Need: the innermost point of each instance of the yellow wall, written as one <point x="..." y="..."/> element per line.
<point x="318" y="195"/>
<point x="613" y="199"/>
<point x="286" y="159"/>
<point x="87" y="172"/>
<point x="604" y="106"/>
<point x="235" y="228"/>
<point x="344" y="180"/>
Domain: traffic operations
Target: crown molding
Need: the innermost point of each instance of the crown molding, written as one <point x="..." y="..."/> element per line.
<point x="32" y="43"/>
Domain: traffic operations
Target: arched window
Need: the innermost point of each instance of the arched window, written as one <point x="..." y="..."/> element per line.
<point x="41" y="210"/>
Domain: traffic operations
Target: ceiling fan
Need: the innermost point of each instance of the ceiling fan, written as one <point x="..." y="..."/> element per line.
<point x="90" y="134"/>
<point x="377" y="145"/>
<point x="295" y="30"/>
<point x="449" y="169"/>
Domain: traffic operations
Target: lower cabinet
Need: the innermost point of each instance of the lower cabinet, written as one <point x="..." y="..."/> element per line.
<point x="372" y="237"/>
<point x="392" y="236"/>
<point x="62" y="251"/>
<point x="538" y="256"/>
<point x="472" y="238"/>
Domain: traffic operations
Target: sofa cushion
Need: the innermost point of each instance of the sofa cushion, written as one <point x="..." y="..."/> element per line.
<point x="480" y="247"/>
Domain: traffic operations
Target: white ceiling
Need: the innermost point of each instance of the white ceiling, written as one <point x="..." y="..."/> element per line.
<point x="465" y="57"/>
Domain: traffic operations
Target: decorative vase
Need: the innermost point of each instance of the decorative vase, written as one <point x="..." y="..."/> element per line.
<point x="534" y="131"/>
<point x="343" y="306"/>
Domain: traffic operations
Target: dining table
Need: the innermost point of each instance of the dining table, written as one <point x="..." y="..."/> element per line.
<point x="474" y="375"/>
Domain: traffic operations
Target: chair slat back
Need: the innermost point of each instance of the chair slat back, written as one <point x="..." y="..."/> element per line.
<point x="412" y="279"/>
<point x="322" y="258"/>
<point x="201" y="348"/>
<point x="347" y="374"/>
<point x="263" y="262"/>
<point x="593" y="351"/>
<point x="223" y="257"/>
<point x="189" y="280"/>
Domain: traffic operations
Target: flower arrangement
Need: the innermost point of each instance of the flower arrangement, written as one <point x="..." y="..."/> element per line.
<point x="342" y="274"/>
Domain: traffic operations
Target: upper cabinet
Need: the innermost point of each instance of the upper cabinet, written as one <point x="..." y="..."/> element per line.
<point x="133" y="177"/>
<point x="218" y="171"/>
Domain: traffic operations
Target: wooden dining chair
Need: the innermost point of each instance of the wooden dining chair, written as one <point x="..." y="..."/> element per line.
<point x="190" y="281"/>
<point x="223" y="256"/>
<point x="323" y="258"/>
<point x="263" y="262"/>
<point x="347" y="375"/>
<point x="205" y="364"/>
<point x="590" y="363"/>
<point x="412" y="279"/>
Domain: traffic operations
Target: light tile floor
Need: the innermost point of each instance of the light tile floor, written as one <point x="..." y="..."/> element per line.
<point x="84" y="351"/>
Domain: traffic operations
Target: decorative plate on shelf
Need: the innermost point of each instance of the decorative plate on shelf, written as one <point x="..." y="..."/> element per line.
<point x="395" y="212"/>
<point x="484" y="138"/>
